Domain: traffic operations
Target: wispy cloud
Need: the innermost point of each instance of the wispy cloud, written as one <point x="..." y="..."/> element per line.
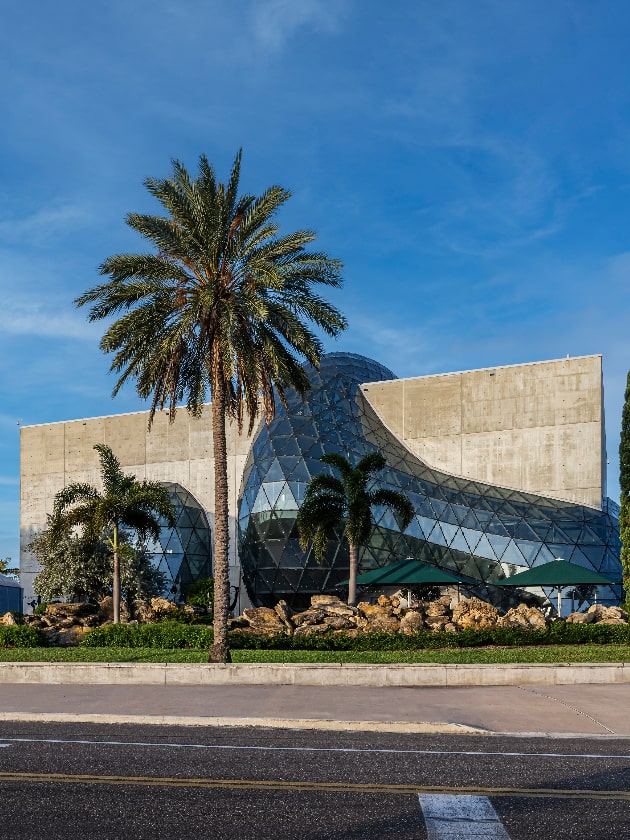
<point x="275" y="21"/>
<point x="46" y="320"/>
<point x="406" y="351"/>
<point x="44" y="224"/>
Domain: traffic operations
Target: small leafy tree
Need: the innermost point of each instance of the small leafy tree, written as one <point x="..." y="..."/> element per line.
<point x="77" y="568"/>
<point x="330" y="502"/>
<point x="7" y="569"/>
<point x="624" y="483"/>
<point x="124" y="502"/>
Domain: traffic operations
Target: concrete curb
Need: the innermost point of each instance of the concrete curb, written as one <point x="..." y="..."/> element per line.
<point x="309" y="724"/>
<point x="320" y="674"/>
<point x="404" y="727"/>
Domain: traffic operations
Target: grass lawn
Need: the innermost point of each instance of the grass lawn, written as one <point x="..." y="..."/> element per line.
<point x="560" y="653"/>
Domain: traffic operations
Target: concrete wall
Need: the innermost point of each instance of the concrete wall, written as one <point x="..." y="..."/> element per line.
<point x="55" y="455"/>
<point x="535" y="427"/>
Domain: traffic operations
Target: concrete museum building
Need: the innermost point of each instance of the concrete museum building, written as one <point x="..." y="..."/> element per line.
<point x="505" y="468"/>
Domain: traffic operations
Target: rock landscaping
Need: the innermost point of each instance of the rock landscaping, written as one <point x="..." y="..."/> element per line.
<point x="393" y="614"/>
<point x="65" y="624"/>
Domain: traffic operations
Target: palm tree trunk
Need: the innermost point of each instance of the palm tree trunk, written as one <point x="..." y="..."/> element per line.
<point x="219" y="652"/>
<point x="352" y="582"/>
<point x="116" y="584"/>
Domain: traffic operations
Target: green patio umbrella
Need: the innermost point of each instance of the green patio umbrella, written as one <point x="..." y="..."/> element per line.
<point x="557" y="573"/>
<point x="408" y="572"/>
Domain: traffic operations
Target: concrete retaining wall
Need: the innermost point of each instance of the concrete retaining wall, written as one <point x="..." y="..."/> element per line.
<point x="315" y="674"/>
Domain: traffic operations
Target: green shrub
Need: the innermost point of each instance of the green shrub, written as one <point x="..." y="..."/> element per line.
<point x="557" y="633"/>
<point x="40" y="609"/>
<point x="22" y="636"/>
<point x="176" y="634"/>
<point x="163" y="634"/>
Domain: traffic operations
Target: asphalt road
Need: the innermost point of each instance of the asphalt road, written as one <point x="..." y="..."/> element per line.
<point x="96" y="781"/>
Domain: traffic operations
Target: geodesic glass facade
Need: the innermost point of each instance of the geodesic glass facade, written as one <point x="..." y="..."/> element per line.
<point x="184" y="552"/>
<point x="483" y="532"/>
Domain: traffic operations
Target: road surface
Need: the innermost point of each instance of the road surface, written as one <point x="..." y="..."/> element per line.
<point x="127" y="781"/>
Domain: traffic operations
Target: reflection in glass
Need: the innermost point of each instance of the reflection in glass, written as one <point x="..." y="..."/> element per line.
<point x="461" y="525"/>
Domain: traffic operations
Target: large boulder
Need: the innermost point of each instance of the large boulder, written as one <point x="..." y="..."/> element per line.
<point x="388" y="602"/>
<point x="162" y="607"/>
<point x="318" y="601"/>
<point x="437" y="623"/>
<point x="339" y="622"/>
<point x="264" y="620"/>
<point x="308" y="617"/>
<point x="599" y="614"/>
<point x="412" y="622"/>
<point x="383" y="623"/>
<point x="332" y="605"/>
<point x="524" y="617"/>
<point x="8" y="619"/>
<point x="72" y="610"/>
<point x="372" y="610"/>
<point x="438" y="608"/>
<point x="106" y="610"/>
<point x="284" y="611"/>
<point x="603" y="613"/>
<point x="142" y="611"/>
<point x="474" y="614"/>
<point x="580" y="618"/>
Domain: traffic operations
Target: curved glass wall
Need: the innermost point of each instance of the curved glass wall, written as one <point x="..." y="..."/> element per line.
<point x="184" y="552"/>
<point x="484" y="532"/>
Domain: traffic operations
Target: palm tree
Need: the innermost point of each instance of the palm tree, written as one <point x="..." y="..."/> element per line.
<point x="124" y="502"/>
<point x="220" y="310"/>
<point x="330" y="502"/>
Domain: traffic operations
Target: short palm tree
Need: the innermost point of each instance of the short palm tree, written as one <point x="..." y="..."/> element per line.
<point x="330" y="502"/>
<point x="124" y="502"/>
<point x="220" y="310"/>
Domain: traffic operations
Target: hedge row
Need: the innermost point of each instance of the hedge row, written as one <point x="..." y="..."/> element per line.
<point x="170" y="634"/>
<point x="162" y="634"/>
<point x="22" y="636"/>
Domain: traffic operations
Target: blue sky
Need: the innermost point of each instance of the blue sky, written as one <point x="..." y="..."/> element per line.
<point x="468" y="162"/>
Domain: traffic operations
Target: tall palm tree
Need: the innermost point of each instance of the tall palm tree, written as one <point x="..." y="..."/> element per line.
<point x="219" y="310"/>
<point x="124" y="502"/>
<point x="330" y="502"/>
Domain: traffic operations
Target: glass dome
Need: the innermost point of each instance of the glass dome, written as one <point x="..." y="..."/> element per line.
<point x="183" y="553"/>
<point x="479" y="530"/>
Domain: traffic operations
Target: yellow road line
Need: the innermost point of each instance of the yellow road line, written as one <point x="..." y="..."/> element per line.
<point x="320" y="787"/>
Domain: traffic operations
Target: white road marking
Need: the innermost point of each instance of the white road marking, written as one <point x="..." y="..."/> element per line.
<point x="460" y="817"/>
<point x="258" y="747"/>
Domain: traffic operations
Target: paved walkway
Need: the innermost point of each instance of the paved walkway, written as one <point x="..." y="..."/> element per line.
<point x="596" y="710"/>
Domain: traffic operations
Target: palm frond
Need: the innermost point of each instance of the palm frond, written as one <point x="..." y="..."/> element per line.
<point x="399" y="503"/>
<point x="341" y="464"/>
<point x="371" y="463"/>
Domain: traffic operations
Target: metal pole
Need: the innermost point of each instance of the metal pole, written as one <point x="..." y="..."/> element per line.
<point x="559" y="601"/>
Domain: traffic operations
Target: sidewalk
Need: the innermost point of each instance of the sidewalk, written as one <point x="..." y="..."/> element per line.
<point x="561" y="710"/>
